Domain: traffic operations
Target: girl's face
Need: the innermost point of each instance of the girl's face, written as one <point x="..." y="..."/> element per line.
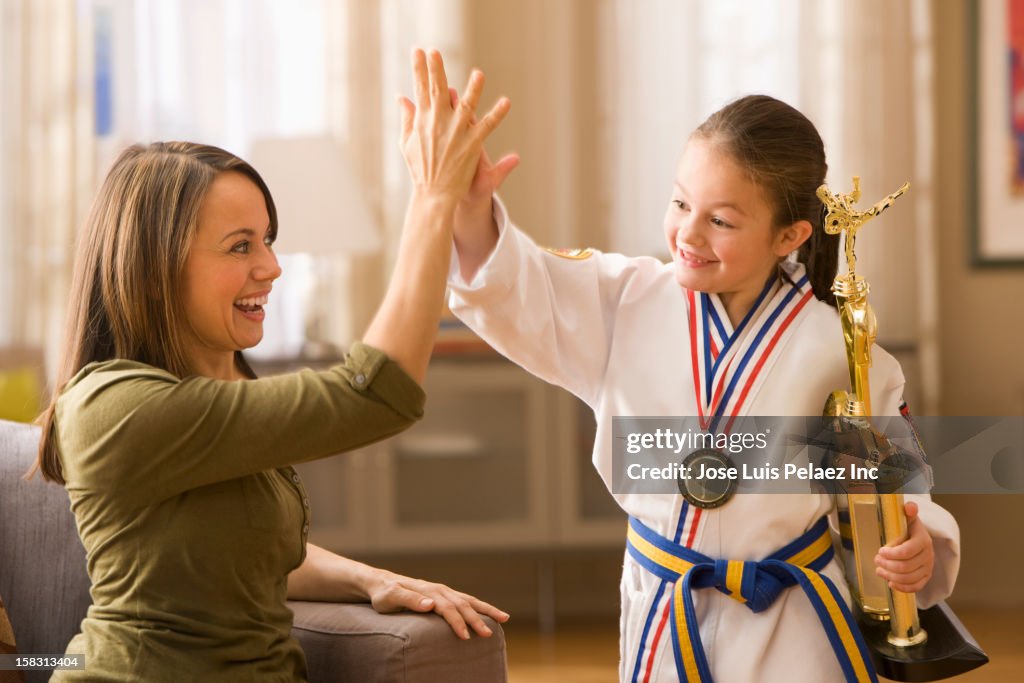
<point x="228" y="274"/>
<point x="719" y="228"/>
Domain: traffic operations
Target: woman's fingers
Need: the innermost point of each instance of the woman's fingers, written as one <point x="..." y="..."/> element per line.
<point x="396" y="597"/>
<point x="442" y="138"/>
<point x="438" y="79"/>
<point x="453" y="615"/>
<point x="488" y="609"/>
<point x="470" y="615"/>
<point x="462" y="611"/>
<point x="421" y="80"/>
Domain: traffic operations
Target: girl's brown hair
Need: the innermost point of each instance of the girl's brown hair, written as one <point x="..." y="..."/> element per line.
<point x="783" y="153"/>
<point x="126" y="285"/>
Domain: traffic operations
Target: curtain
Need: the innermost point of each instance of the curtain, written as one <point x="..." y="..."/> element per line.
<point x="604" y="93"/>
<point x="368" y="48"/>
<point x="860" y="71"/>
<point x="47" y="167"/>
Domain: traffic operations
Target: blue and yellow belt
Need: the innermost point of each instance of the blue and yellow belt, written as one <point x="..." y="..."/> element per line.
<point x="755" y="584"/>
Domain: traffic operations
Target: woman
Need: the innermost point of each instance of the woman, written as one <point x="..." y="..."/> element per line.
<point x="177" y="461"/>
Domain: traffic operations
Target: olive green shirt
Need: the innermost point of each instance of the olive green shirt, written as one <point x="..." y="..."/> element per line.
<point x="191" y="515"/>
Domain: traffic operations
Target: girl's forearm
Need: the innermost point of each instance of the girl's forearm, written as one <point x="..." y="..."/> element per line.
<point x="476" y="235"/>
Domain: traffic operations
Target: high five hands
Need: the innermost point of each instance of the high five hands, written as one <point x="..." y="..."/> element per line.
<point x="442" y="138"/>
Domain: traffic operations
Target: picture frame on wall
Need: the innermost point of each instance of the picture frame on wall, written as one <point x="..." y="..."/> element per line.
<point x="997" y="133"/>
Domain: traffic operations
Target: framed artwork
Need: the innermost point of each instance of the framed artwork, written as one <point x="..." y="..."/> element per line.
<point x="997" y="132"/>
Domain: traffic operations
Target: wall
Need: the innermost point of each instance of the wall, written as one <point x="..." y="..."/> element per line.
<point x="981" y="326"/>
<point x="981" y="371"/>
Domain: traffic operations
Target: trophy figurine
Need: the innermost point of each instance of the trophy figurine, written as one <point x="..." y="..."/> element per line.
<point x="906" y="645"/>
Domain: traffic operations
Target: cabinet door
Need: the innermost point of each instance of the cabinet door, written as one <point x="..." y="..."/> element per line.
<point x="337" y="487"/>
<point x="471" y="474"/>
<point x="586" y="512"/>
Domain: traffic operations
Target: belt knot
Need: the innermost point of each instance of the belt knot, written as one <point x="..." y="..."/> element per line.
<point x="751" y="583"/>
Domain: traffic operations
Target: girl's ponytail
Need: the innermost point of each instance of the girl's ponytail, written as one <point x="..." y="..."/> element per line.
<point x="820" y="256"/>
<point x="782" y="152"/>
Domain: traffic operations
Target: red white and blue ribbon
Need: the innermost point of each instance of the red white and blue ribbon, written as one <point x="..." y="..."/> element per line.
<point x="728" y="367"/>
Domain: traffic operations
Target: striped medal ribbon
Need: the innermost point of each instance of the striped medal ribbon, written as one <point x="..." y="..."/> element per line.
<point x="726" y="368"/>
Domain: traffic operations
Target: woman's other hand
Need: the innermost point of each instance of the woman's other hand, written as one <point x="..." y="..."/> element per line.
<point x="390" y="592"/>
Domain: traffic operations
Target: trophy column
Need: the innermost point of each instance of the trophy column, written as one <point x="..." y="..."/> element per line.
<point x="902" y="649"/>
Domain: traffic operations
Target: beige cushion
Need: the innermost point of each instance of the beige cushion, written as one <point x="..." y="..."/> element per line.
<point x="352" y="642"/>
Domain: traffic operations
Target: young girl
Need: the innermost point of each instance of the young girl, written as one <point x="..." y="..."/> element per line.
<point x="745" y="304"/>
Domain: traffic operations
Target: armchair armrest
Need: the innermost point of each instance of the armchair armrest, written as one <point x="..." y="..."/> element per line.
<point x="352" y="642"/>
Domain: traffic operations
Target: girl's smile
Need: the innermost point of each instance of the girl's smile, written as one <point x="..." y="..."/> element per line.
<point x="720" y="230"/>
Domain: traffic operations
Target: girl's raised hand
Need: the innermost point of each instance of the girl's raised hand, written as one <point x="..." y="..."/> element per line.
<point x="442" y="142"/>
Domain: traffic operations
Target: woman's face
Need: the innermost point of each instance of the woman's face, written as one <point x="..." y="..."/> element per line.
<point x="228" y="275"/>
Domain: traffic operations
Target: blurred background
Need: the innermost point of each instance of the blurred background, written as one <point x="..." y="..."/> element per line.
<point x="494" y="492"/>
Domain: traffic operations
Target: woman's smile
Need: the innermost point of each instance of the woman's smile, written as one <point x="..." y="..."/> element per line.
<point x="251" y="306"/>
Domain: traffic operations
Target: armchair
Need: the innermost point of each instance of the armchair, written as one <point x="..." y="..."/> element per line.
<point x="44" y="583"/>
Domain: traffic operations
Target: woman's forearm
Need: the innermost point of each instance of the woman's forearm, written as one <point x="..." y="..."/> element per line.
<point x="326" y="577"/>
<point x="405" y="325"/>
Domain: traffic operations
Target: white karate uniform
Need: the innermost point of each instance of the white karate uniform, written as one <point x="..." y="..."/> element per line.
<point x="614" y="331"/>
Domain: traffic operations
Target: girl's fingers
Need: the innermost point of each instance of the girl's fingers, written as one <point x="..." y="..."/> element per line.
<point x="908" y="587"/>
<point x="903" y="570"/>
<point x="421" y="81"/>
<point x="471" y="97"/>
<point x="494" y="117"/>
<point x="408" y="112"/>
<point x="504" y="166"/>
<point x="903" y="551"/>
<point x="438" y="78"/>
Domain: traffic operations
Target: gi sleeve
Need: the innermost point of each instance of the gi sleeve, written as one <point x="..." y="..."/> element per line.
<point x="144" y="431"/>
<point x="552" y="314"/>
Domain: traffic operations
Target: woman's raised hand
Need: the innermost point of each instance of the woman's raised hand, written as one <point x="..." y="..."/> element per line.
<point x="442" y="141"/>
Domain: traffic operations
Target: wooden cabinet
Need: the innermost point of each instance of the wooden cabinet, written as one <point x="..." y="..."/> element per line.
<point x="501" y="460"/>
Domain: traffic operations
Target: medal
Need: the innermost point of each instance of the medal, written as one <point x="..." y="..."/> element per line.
<point x="710" y="479"/>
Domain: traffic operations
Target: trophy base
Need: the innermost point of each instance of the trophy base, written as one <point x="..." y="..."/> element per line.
<point x="949" y="650"/>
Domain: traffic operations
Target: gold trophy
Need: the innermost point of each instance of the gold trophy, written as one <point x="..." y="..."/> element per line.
<point x="872" y="513"/>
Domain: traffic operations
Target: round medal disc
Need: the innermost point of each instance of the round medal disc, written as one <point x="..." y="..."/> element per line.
<point x="703" y="490"/>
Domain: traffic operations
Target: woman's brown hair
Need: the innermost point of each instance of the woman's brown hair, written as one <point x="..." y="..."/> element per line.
<point x="783" y="153"/>
<point x="126" y="286"/>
